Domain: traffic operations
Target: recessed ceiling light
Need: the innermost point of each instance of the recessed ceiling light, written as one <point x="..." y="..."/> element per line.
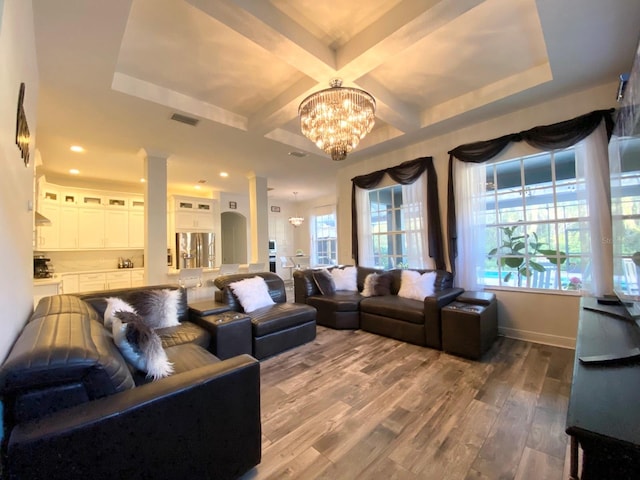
<point x="74" y="171"/>
<point x="143" y="180"/>
<point x="224" y="174"/>
<point x="77" y="148"/>
<point x="197" y="187"/>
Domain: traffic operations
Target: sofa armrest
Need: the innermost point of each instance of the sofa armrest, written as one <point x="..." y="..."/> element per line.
<point x="204" y="423"/>
<point x="432" y="306"/>
<point x="304" y="285"/>
<point x="442" y="298"/>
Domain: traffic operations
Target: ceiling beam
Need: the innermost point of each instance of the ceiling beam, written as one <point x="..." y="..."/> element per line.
<point x="273" y="31"/>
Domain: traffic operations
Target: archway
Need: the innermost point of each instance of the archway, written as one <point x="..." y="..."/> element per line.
<point x="234" y="237"/>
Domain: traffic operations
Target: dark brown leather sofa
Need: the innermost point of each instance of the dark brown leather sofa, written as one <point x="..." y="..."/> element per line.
<point x="277" y="327"/>
<point x="73" y="408"/>
<point x="413" y="321"/>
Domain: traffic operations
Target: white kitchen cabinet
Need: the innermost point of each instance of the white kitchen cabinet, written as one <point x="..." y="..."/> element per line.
<point x="70" y="283"/>
<point x="116" y="228"/>
<point x="136" y="229"/>
<point x="90" y="228"/>
<point x="48" y="236"/>
<point x="88" y="282"/>
<point x="119" y="279"/>
<point x="68" y="227"/>
<point x="89" y="219"/>
<point x="46" y="289"/>
<point x="193" y="214"/>
<point x="137" y="278"/>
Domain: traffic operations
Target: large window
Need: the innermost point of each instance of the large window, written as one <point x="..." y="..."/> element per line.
<point x="533" y="213"/>
<point x="387" y="232"/>
<point x="324" y="237"/>
<point x="397" y="227"/>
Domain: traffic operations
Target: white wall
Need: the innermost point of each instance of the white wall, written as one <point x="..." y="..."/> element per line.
<point x="18" y="60"/>
<point x="521" y="315"/>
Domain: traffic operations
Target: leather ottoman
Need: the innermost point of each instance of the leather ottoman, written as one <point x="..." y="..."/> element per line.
<point x="470" y="324"/>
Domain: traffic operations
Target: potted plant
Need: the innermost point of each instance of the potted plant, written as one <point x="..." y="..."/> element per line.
<point x="516" y="253"/>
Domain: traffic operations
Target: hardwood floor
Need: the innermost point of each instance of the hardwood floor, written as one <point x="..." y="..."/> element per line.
<point x="356" y="405"/>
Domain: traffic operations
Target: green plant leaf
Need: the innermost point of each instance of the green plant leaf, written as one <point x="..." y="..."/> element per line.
<point x="518" y="246"/>
<point x="507" y="277"/>
<point x="554" y="256"/>
<point x="536" y="266"/>
<point x="524" y="271"/>
<point x="513" y="262"/>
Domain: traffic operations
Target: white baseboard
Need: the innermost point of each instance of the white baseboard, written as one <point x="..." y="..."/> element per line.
<point x="536" y="337"/>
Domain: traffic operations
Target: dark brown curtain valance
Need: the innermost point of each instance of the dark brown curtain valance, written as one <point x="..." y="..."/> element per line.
<point x="547" y="137"/>
<point x="405" y="174"/>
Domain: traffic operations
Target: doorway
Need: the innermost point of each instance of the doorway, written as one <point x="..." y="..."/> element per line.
<point x="234" y="237"/>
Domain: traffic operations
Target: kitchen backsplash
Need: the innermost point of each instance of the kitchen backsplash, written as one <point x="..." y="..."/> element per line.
<point x="81" y="261"/>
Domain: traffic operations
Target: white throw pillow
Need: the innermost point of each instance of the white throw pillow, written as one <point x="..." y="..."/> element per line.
<point x="252" y="293"/>
<point x="115" y="304"/>
<point x="416" y="286"/>
<point x="345" y="278"/>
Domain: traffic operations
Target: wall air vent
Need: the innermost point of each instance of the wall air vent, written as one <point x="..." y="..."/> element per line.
<point x="184" y="119"/>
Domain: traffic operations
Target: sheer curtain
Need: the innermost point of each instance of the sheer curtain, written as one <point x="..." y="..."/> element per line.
<point x="469" y="182"/>
<point x="592" y="174"/>
<point x="365" y="247"/>
<point x="413" y="217"/>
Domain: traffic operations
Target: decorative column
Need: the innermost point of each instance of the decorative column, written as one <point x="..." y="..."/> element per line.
<point x="155" y="216"/>
<point x="259" y="219"/>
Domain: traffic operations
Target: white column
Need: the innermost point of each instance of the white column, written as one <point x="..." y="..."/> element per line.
<point x="155" y="217"/>
<point x="259" y="219"/>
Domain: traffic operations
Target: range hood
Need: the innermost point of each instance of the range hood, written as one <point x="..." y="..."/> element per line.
<point x="41" y="220"/>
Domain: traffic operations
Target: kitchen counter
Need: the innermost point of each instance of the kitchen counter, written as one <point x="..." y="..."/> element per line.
<point x="105" y="270"/>
<point x="47" y="281"/>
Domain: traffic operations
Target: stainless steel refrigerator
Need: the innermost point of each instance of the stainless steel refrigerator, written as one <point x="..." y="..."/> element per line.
<point x="195" y="250"/>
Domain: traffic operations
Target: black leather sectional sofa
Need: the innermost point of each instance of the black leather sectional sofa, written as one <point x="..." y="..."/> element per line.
<point x="74" y="409"/>
<point x="413" y="321"/>
<point x="276" y="327"/>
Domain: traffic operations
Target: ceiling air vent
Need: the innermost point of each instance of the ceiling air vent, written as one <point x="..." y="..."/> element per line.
<point x="298" y="154"/>
<point x="184" y="119"/>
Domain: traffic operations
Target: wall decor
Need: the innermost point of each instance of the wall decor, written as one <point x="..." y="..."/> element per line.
<point x="22" y="129"/>
<point x="275" y="209"/>
<point x="233" y="205"/>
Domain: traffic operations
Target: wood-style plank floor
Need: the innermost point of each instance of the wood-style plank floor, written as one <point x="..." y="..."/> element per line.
<point x="354" y="405"/>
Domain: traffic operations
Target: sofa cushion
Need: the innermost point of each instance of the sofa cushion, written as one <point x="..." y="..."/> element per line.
<point x="377" y="284"/>
<point x="115" y="305"/>
<point x="62" y="349"/>
<point x="184" y="358"/>
<point x="324" y="281"/>
<point x="98" y="299"/>
<point x="341" y="301"/>
<point x="185" y="332"/>
<point x="225" y="294"/>
<point x="140" y="345"/>
<point x="159" y="308"/>
<point x="58" y="304"/>
<point x="416" y="286"/>
<point x="280" y="317"/>
<point x="252" y="293"/>
<point x="345" y="278"/>
<point x="393" y="306"/>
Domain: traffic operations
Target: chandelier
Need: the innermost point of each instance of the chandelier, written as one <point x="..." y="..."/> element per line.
<point x="296" y="220"/>
<point x="337" y="118"/>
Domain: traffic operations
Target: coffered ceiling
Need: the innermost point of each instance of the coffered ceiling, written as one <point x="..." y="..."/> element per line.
<point x="112" y="74"/>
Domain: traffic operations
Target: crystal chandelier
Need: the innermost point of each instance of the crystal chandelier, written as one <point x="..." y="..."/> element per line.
<point x="296" y="220"/>
<point x="337" y="118"/>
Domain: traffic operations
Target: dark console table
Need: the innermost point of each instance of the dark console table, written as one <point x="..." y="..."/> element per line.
<point x="603" y="418"/>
